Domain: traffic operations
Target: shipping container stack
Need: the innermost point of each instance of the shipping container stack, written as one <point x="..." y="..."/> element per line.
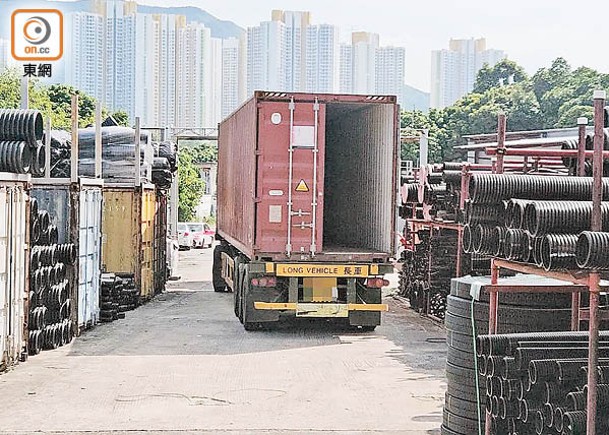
<point x="50" y="321"/>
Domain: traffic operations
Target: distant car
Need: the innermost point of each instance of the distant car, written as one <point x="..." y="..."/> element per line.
<point x="185" y="239"/>
<point x="202" y="235"/>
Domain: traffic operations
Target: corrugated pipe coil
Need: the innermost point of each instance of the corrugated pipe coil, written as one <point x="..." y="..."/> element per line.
<point x="21" y="125"/>
<point x="592" y="251"/>
<point x="494" y="188"/>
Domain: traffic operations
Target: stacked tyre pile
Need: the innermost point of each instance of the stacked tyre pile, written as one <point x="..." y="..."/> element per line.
<point x="165" y="164"/>
<point x="427" y="271"/>
<point x="536" y="382"/>
<point x="518" y="312"/>
<point x="118" y="295"/>
<point x="545" y="218"/>
<point x="61" y="149"/>
<point x="21" y="149"/>
<point x="130" y="296"/>
<point x="50" y="324"/>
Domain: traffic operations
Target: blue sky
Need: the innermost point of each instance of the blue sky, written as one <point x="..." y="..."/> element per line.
<point x="532" y="32"/>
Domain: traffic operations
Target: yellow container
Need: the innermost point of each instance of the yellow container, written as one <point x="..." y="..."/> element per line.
<point x="128" y="234"/>
<point x="148" y="208"/>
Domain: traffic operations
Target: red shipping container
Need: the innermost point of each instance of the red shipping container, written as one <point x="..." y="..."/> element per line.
<point x="310" y="177"/>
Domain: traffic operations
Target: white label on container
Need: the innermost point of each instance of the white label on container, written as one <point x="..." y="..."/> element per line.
<point x="276" y="118"/>
<point x="276" y="192"/>
<point x="303" y="136"/>
<point x="275" y="214"/>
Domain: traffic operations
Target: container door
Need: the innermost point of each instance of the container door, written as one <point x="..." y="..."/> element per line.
<point x="5" y="298"/>
<point x="95" y="235"/>
<point x="89" y="256"/>
<point x="83" y="269"/>
<point x="290" y="178"/>
<point x="18" y="259"/>
<point x="13" y="264"/>
<point x="147" y="275"/>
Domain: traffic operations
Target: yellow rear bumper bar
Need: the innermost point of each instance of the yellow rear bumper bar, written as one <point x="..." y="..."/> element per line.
<point x="286" y="306"/>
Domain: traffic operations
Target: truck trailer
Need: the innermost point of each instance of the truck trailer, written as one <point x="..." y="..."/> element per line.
<point x="307" y="187"/>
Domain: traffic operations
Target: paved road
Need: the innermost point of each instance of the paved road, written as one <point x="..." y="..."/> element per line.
<point x="183" y="364"/>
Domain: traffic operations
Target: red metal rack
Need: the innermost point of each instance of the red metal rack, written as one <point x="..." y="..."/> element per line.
<point x="581" y="280"/>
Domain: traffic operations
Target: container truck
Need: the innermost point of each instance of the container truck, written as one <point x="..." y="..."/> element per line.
<point x="306" y="200"/>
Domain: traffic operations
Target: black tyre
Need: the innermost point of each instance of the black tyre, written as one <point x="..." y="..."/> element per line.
<point x="237" y="284"/>
<point x="218" y="281"/>
<point x="249" y="326"/>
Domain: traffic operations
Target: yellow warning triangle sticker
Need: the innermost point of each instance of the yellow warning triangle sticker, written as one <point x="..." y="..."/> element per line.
<point x="302" y="187"/>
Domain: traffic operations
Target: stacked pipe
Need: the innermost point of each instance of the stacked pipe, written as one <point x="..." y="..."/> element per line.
<point x="118" y="295"/>
<point x="542" y="218"/>
<point x="517" y="313"/>
<point x="118" y="155"/>
<point x="571" y="162"/>
<point x="21" y="149"/>
<point x="536" y="382"/>
<point x="49" y="322"/>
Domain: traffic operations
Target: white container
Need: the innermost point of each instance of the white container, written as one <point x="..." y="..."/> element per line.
<point x="13" y="257"/>
<point x="89" y="255"/>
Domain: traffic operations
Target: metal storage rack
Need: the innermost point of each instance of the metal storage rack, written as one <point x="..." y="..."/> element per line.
<point x="582" y="280"/>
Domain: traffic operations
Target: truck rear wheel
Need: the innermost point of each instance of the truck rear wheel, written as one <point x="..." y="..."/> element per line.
<point x="243" y="292"/>
<point x="218" y="281"/>
<point x="239" y="275"/>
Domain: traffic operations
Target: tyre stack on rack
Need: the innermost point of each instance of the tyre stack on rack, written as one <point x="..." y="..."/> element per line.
<point x="50" y="324"/>
<point x="518" y="312"/>
<point x="118" y="295"/>
<point x="537" y="381"/>
<point x="21" y="149"/>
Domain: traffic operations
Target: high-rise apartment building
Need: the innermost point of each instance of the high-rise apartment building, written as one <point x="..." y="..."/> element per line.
<point x="234" y="66"/>
<point x="194" y="59"/>
<point x="146" y="70"/>
<point x="322" y="59"/>
<point x="266" y="57"/>
<point x="213" y="112"/>
<point x="453" y="71"/>
<point x="119" y="54"/>
<point x="84" y="57"/>
<point x="368" y="68"/>
<point x="346" y="69"/>
<point x="296" y="25"/>
<point x="390" y="70"/>
<point x="168" y="27"/>
<point x="5" y="49"/>
<point x="365" y="46"/>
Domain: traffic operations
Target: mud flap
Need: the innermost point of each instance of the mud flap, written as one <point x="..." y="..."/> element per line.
<point x="366" y="318"/>
<point x="252" y="315"/>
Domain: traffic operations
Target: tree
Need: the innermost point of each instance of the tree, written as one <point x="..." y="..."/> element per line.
<point x="53" y="101"/>
<point x="121" y="117"/>
<point x="190" y="186"/>
<point x="61" y="99"/>
<point x="201" y="151"/>
<point x="548" y="78"/>
<point x="10" y="94"/>
<point x="413" y="122"/>
<point x="503" y="73"/>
